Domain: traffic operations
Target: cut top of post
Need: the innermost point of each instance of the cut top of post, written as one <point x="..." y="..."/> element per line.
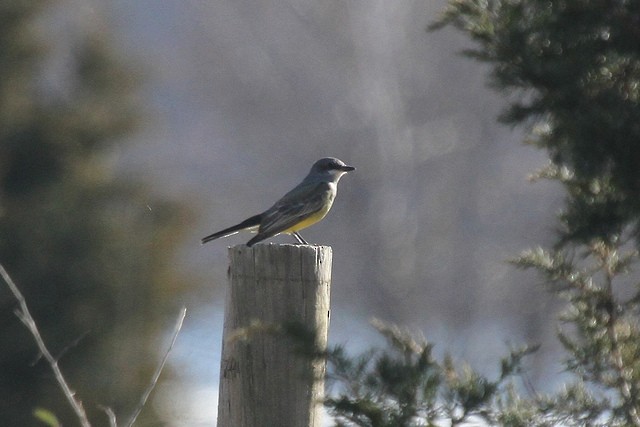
<point x="282" y="262"/>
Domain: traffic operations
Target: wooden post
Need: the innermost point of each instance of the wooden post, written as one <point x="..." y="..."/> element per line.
<point x="262" y="382"/>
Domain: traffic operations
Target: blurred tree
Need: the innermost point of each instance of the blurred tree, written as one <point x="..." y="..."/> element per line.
<point x="574" y="68"/>
<point x="404" y="386"/>
<point x="603" y="340"/>
<point x="91" y="252"/>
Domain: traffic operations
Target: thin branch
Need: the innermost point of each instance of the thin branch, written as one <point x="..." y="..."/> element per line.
<point x="156" y="374"/>
<point x="71" y="345"/>
<point x="110" y="414"/>
<point x="529" y="387"/>
<point x="26" y="318"/>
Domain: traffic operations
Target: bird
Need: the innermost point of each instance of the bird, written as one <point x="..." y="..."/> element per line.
<point x="306" y="204"/>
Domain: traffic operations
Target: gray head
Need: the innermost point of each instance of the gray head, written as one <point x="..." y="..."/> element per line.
<point x="330" y="166"/>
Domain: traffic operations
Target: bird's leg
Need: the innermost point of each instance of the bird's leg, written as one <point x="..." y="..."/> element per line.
<point x="299" y="238"/>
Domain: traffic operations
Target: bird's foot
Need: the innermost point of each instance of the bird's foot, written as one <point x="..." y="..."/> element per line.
<point x="299" y="238"/>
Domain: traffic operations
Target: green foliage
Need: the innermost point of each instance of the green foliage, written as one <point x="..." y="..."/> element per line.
<point x="576" y="68"/>
<point x="404" y="386"/>
<point x="91" y="251"/>
<point x="603" y="345"/>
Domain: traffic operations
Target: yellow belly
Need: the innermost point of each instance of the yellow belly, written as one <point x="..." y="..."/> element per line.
<point x="309" y="221"/>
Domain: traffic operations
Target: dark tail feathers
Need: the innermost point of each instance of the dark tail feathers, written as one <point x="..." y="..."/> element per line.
<point x="247" y="223"/>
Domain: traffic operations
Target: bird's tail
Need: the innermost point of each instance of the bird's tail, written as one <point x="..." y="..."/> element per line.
<point x="258" y="238"/>
<point x="252" y="222"/>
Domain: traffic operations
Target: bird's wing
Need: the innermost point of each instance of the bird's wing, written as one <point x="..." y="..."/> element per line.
<point x="296" y="206"/>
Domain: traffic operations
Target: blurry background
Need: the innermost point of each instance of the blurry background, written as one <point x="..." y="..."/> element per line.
<point x="132" y="128"/>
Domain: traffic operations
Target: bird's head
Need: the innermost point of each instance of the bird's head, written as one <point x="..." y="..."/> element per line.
<point x="330" y="166"/>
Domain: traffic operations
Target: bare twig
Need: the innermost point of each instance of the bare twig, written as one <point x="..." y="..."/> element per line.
<point x="528" y="385"/>
<point x="73" y="344"/>
<point x="26" y="318"/>
<point x="110" y="414"/>
<point x="156" y="374"/>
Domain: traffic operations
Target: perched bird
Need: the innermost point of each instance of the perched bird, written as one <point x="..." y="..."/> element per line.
<point x="301" y="207"/>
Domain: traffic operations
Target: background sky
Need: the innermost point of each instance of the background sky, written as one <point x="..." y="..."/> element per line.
<point x="243" y="96"/>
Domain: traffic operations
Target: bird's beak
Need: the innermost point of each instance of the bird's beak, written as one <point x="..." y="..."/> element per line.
<point x="347" y="168"/>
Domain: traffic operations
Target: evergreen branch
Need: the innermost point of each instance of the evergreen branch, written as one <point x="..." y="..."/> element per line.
<point x="25" y="317"/>
<point x="627" y="390"/>
<point x="158" y="371"/>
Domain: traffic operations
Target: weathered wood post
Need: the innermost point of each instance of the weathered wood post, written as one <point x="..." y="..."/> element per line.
<point x="263" y="383"/>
